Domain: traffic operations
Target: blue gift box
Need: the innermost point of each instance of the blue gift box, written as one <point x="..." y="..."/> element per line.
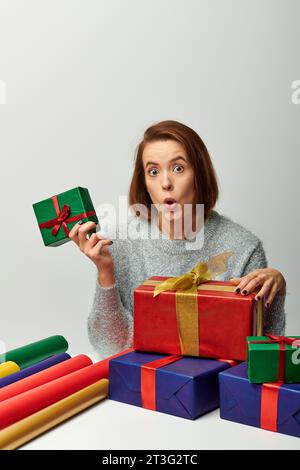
<point x="187" y="388"/>
<point x="240" y="401"/>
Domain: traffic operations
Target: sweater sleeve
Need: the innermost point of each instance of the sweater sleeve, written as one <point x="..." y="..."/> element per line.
<point x="109" y="323"/>
<point x="274" y="317"/>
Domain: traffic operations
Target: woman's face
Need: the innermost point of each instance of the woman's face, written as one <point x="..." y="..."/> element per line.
<point x="168" y="175"/>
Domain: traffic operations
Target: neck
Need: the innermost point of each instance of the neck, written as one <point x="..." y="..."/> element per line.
<point x="179" y="229"/>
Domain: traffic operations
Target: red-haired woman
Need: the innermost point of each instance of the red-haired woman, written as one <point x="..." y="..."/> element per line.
<point x="173" y="170"/>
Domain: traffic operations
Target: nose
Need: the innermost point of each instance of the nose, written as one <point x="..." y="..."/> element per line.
<point x="166" y="183"/>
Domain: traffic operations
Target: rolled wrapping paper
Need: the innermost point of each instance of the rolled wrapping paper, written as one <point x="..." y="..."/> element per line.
<point x="25" y="404"/>
<point x="45" y="376"/>
<point x="28" y="428"/>
<point x="21" y="374"/>
<point x="8" y="368"/>
<point x="35" y="352"/>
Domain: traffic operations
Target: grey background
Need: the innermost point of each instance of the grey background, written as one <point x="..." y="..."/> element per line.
<point x="85" y="79"/>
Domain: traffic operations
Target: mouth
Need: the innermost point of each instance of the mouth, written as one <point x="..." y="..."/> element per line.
<point x="170" y="204"/>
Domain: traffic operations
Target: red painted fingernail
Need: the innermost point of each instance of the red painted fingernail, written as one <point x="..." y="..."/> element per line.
<point x="258" y="297"/>
<point x="267" y="304"/>
<point x="237" y="290"/>
<point x="244" y="292"/>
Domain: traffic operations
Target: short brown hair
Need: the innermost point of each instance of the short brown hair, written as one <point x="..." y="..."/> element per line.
<point x="206" y="185"/>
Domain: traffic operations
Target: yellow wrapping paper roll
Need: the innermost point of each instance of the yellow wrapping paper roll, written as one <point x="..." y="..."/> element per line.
<point x="7" y="368"/>
<point x="28" y="428"/>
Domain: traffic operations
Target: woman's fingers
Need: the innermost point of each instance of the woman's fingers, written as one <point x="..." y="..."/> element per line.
<point x="83" y="230"/>
<point x="98" y="247"/>
<point x="270" y="281"/>
<point x="92" y="241"/>
<point x="73" y="235"/>
<point x="265" y="289"/>
<point x="89" y="245"/>
<point x="244" y="281"/>
<point x="92" y="246"/>
<point x="271" y="295"/>
<point x="235" y="280"/>
<point x="74" y="232"/>
<point x="250" y="282"/>
<point x="252" y="285"/>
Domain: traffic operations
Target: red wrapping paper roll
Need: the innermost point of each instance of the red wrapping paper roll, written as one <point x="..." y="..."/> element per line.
<point x="45" y="376"/>
<point x="104" y="364"/>
<point x="25" y="404"/>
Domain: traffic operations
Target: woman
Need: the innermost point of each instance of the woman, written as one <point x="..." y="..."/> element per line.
<point x="173" y="170"/>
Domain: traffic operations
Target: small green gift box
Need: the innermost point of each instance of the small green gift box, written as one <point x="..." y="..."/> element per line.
<point x="58" y="214"/>
<point x="273" y="359"/>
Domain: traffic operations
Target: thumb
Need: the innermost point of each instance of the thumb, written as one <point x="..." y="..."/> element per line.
<point x="235" y="280"/>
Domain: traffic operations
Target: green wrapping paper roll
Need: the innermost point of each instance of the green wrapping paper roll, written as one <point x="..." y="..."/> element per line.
<point x="32" y="353"/>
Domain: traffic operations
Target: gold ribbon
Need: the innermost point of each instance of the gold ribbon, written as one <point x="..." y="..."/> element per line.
<point x="186" y="287"/>
<point x="200" y="273"/>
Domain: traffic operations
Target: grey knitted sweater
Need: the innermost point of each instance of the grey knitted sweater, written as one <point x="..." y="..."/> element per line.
<point x="136" y="258"/>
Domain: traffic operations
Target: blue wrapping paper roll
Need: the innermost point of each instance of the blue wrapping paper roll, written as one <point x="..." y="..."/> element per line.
<point x="39" y="366"/>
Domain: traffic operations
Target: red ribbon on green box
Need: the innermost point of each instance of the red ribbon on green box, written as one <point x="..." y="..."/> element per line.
<point x="63" y="218"/>
<point x="282" y="341"/>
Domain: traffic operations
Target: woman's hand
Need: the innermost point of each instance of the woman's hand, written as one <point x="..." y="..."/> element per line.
<point x="95" y="247"/>
<point x="268" y="280"/>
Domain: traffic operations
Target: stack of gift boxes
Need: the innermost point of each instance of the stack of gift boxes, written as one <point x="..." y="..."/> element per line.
<point x="192" y="338"/>
<point x="265" y="392"/>
<point x="191" y="347"/>
<point x="176" y="322"/>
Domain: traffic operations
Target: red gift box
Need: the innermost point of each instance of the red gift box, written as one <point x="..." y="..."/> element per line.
<point x="212" y="321"/>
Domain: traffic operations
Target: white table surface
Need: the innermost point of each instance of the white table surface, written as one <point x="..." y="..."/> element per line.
<point x="112" y="425"/>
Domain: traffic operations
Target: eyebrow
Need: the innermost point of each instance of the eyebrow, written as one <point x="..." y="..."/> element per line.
<point x="172" y="160"/>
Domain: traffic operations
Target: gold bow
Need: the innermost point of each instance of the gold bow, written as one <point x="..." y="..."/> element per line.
<point x="200" y="273"/>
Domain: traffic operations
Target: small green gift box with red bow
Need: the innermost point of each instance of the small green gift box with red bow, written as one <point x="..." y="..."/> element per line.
<point x="57" y="215"/>
<point x="273" y="359"/>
